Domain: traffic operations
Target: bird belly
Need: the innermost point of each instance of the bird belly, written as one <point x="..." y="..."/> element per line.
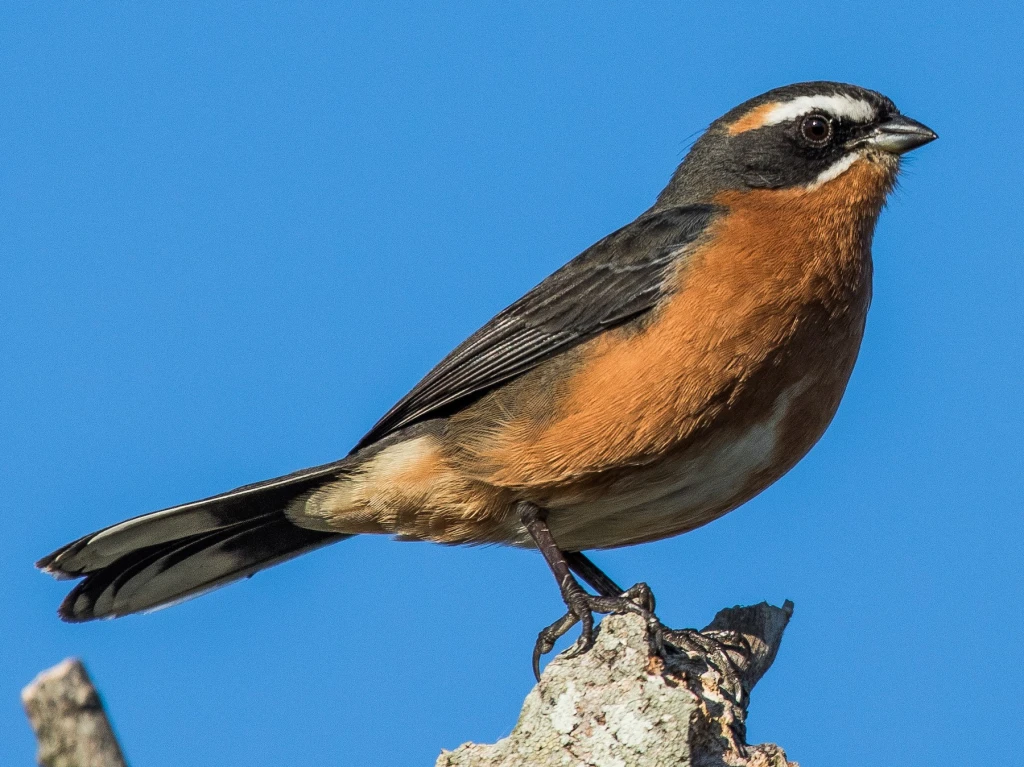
<point x="682" y="491"/>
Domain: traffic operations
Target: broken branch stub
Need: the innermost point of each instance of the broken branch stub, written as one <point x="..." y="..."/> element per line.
<point x="621" y="704"/>
<point x="67" y="716"/>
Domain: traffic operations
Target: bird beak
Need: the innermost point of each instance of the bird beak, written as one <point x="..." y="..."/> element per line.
<point x="899" y="134"/>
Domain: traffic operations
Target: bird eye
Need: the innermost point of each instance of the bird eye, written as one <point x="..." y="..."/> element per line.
<point x="816" y="129"/>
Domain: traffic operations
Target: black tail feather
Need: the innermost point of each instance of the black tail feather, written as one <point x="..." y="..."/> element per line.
<point x="164" y="557"/>
<point x="168" y="573"/>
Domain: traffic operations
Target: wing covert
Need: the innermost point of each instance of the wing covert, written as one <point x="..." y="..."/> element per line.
<point x="615" y="280"/>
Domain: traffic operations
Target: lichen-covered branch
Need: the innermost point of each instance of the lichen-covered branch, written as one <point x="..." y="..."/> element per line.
<point x="68" y="718"/>
<point x="620" y="705"/>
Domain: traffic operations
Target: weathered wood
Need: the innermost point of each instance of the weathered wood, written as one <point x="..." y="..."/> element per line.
<point x="69" y="721"/>
<point x="622" y="705"/>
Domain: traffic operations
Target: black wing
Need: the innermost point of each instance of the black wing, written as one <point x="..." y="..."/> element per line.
<point x="610" y="283"/>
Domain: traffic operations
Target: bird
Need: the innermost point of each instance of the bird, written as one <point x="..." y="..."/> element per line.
<point x="660" y="379"/>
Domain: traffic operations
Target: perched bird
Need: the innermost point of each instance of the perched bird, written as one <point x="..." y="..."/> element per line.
<point x="663" y="377"/>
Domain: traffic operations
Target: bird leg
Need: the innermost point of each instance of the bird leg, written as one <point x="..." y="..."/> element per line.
<point x="581" y="605"/>
<point x="612" y="599"/>
<point x="593" y="575"/>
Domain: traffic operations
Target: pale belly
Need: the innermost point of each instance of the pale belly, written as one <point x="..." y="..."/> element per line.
<point x="410" y="491"/>
<point x="679" y="493"/>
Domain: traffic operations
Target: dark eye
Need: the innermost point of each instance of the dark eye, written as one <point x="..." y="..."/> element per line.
<point x="816" y="129"/>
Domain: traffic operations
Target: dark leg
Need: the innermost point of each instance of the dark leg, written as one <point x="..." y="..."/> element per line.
<point x="582" y="605"/>
<point x="613" y="599"/>
<point x="592" y="574"/>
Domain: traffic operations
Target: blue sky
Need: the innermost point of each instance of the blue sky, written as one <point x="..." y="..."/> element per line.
<point x="232" y="235"/>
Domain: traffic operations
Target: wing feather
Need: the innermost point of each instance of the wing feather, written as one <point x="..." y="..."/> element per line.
<point x="612" y="282"/>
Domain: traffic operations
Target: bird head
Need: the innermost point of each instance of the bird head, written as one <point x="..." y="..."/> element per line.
<point x="798" y="137"/>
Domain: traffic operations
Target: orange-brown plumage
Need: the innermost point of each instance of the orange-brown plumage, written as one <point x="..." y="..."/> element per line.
<point x="742" y="307"/>
<point x="749" y="318"/>
<point x="751" y="120"/>
<point x="662" y="378"/>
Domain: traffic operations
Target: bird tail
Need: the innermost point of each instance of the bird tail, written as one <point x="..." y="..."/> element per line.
<point x="168" y="556"/>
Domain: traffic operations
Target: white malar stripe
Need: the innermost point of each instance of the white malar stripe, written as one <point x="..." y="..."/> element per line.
<point x="836" y="105"/>
<point x="835" y="170"/>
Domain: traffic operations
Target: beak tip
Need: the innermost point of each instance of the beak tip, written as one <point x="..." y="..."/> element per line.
<point x="900" y="134"/>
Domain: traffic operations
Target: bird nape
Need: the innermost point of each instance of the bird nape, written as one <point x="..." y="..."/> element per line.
<point x="660" y="379"/>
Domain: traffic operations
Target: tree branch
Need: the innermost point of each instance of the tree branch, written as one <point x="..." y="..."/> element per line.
<point x="620" y="704"/>
<point x="68" y="718"/>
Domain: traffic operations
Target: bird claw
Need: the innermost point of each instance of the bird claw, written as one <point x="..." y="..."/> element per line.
<point x="686" y="641"/>
<point x="638" y="600"/>
<point x="548" y="636"/>
<point x="692" y="642"/>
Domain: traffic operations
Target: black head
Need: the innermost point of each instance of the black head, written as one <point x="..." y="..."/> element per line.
<point x="800" y="135"/>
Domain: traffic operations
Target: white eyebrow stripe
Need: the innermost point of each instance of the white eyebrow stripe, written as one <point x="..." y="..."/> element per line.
<point x="837" y="105"/>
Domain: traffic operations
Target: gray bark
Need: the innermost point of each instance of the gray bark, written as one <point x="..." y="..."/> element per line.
<point x="68" y="718"/>
<point x="623" y="705"/>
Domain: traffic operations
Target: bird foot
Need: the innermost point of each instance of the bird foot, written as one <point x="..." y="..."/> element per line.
<point x="638" y="600"/>
<point x="697" y="645"/>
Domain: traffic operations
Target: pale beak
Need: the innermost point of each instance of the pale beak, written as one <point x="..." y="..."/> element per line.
<point x="899" y="134"/>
